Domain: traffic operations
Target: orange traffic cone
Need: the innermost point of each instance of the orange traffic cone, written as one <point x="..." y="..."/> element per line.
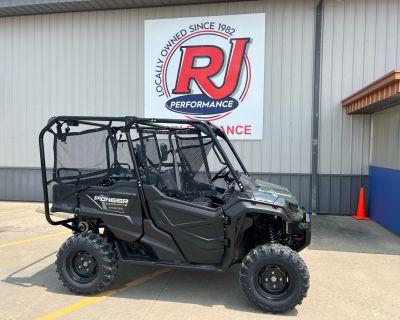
<point x="361" y="212"/>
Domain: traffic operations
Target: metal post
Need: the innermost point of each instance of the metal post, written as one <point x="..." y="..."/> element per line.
<point x="316" y="105"/>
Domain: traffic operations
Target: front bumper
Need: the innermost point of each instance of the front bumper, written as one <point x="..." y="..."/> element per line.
<point x="306" y="227"/>
<point x="301" y="231"/>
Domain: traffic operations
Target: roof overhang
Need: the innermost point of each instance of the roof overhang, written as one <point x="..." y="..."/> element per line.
<point x="31" y="7"/>
<point x="380" y="94"/>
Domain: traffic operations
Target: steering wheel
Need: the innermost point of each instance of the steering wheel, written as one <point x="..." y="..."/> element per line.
<point x="223" y="173"/>
<point x="230" y="186"/>
<point x="220" y="174"/>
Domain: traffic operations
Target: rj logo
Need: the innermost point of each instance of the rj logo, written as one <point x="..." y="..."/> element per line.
<point x="202" y="76"/>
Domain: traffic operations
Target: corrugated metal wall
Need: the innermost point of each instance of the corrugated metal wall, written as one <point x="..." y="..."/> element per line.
<point x="385" y="144"/>
<point x="361" y="43"/>
<point x="27" y="7"/>
<point x="91" y="63"/>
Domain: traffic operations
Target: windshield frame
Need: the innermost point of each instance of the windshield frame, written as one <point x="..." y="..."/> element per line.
<point x="207" y="128"/>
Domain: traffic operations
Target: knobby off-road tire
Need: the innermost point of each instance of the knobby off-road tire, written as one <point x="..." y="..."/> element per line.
<point x="86" y="263"/>
<point x="274" y="278"/>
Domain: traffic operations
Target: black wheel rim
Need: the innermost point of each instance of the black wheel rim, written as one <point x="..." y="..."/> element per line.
<point x="82" y="266"/>
<point x="274" y="282"/>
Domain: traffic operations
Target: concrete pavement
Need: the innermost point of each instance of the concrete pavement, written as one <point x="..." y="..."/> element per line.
<point x="344" y="285"/>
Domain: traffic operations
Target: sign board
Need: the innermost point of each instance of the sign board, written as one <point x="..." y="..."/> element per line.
<point x="207" y="68"/>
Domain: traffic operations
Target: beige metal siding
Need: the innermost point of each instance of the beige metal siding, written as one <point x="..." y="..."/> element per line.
<point x="385" y="149"/>
<point x="91" y="63"/>
<point x="361" y="43"/>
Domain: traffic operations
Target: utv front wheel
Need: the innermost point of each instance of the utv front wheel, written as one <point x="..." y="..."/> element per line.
<point x="274" y="278"/>
<point x="86" y="263"/>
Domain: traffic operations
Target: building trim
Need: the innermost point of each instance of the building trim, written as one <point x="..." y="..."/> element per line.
<point x="378" y="95"/>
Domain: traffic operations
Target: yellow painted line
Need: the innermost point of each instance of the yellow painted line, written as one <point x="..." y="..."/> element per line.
<point x="45" y="236"/>
<point x="101" y="296"/>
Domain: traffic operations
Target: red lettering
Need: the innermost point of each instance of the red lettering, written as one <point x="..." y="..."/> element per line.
<point x="202" y="75"/>
<point x="239" y="129"/>
<point x="187" y="71"/>
<point x="230" y="129"/>
<point x="247" y="129"/>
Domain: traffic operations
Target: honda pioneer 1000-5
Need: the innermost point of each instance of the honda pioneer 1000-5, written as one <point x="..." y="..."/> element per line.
<point x="169" y="193"/>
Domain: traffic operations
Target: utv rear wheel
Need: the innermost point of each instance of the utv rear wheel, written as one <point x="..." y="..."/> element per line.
<point x="274" y="278"/>
<point x="86" y="263"/>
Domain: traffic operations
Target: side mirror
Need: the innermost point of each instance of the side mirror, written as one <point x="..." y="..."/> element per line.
<point x="164" y="151"/>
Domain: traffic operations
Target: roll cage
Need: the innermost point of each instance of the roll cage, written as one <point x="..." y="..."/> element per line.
<point x="108" y="128"/>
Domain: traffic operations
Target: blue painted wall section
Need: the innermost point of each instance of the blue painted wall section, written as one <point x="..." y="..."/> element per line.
<point x="384" y="197"/>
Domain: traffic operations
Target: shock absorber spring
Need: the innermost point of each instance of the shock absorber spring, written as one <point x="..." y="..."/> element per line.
<point x="271" y="231"/>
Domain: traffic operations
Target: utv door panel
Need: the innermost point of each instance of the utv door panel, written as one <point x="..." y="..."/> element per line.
<point x="161" y="242"/>
<point x="198" y="231"/>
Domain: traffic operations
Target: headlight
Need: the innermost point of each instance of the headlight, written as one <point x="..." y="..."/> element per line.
<point x="294" y="211"/>
<point x="294" y="207"/>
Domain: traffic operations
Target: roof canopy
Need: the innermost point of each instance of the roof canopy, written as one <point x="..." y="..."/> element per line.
<point x="31" y="7"/>
<point x="380" y="94"/>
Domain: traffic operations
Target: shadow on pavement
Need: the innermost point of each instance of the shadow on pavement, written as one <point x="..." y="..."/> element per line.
<point x="179" y="286"/>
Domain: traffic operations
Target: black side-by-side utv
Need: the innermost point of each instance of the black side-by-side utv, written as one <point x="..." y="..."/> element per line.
<point x="169" y="193"/>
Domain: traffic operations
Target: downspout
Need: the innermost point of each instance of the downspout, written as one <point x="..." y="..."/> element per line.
<point x="316" y="104"/>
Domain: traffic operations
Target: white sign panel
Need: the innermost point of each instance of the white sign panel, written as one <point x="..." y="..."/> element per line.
<point x="207" y="68"/>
